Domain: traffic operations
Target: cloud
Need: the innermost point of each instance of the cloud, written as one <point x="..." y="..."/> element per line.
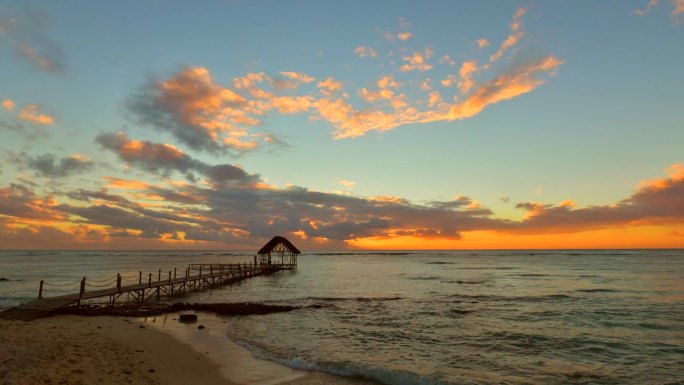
<point x="206" y="115"/>
<point x="468" y="69"/>
<point x="482" y="43"/>
<point x="404" y="36"/>
<point x="330" y="86"/>
<point x="165" y="158"/>
<point x="8" y="105"/>
<point x="446" y="59"/>
<point x="418" y="61"/>
<point x="514" y="38"/>
<point x="347" y="183"/>
<point x="518" y="81"/>
<point x="31" y="113"/>
<point x="222" y="214"/>
<point x="351" y="122"/>
<point x="298" y="76"/>
<point x="678" y="8"/>
<point x="48" y="165"/>
<point x="199" y="112"/>
<point x="364" y="51"/>
<point x="655" y="202"/>
<point x="27" y="32"/>
<point x="651" y="4"/>
<point x="22" y="202"/>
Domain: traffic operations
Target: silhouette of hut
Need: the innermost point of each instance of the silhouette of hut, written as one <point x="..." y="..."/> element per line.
<point x="278" y="247"/>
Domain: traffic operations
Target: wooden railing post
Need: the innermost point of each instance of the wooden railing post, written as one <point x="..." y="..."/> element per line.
<point x="40" y="290"/>
<point x="169" y="276"/>
<point x="118" y="282"/>
<point x="211" y="270"/>
<point x="159" y="276"/>
<point x="140" y="278"/>
<point x="200" y="273"/>
<point x="149" y="280"/>
<point x="174" y="273"/>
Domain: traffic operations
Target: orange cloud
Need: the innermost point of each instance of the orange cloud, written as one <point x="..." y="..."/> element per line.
<point x="126" y="184"/>
<point x="482" y="43"/>
<point x="468" y="69"/>
<point x="418" y="61"/>
<point x="347" y="183"/>
<point x="651" y="4"/>
<point x="446" y="59"/>
<point x="506" y="86"/>
<point x="404" y="36"/>
<point x="298" y="76"/>
<point x="31" y="113"/>
<point x="516" y="34"/>
<point x="8" y="105"/>
<point x="364" y="51"/>
<point x="330" y="86"/>
<point x="679" y="8"/>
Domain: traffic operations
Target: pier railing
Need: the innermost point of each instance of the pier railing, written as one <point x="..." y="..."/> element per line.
<point x="141" y="287"/>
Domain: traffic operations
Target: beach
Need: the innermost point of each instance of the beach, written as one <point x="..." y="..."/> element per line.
<point x="69" y="349"/>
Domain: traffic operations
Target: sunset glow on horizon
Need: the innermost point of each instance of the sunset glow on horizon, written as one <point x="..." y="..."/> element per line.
<point x="391" y="125"/>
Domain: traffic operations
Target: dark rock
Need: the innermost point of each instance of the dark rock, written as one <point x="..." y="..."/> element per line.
<point x="4" y="279"/>
<point x="188" y="318"/>
<point x="200" y="327"/>
<point x="151" y="370"/>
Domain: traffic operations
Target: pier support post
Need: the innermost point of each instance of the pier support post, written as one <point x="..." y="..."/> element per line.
<point x="40" y="290"/>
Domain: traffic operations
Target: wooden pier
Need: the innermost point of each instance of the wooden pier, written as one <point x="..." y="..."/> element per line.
<point x="195" y="277"/>
<point x="278" y="254"/>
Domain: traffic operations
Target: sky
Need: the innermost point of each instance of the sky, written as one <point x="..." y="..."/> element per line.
<point x="370" y="125"/>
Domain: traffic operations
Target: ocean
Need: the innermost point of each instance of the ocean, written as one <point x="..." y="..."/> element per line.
<point x="432" y="317"/>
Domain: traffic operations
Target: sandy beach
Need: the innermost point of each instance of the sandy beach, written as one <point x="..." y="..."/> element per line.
<point x="98" y="350"/>
<point x="69" y="349"/>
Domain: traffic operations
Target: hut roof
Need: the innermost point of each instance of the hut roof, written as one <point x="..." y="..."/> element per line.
<point x="274" y="242"/>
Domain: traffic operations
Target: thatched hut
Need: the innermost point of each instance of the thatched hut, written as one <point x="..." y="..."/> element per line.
<point x="278" y="250"/>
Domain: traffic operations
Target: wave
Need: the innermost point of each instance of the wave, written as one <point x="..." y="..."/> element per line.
<point x="598" y="290"/>
<point x="423" y="277"/>
<point x="501" y="298"/>
<point x="462" y="282"/>
<point x="343" y="368"/>
<point x="532" y="275"/>
<point x="362" y="299"/>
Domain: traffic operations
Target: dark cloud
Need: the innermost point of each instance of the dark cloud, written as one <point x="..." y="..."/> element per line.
<point x="50" y="166"/>
<point x="22" y="202"/>
<point x="249" y="213"/>
<point x="657" y="202"/>
<point x="27" y="32"/>
<point x="159" y="157"/>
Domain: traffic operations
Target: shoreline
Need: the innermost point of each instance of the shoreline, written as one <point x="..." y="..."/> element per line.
<point x="73" y="349"/>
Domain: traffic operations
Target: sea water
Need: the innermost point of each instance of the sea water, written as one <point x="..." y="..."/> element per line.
<point x="446" y="317"/>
